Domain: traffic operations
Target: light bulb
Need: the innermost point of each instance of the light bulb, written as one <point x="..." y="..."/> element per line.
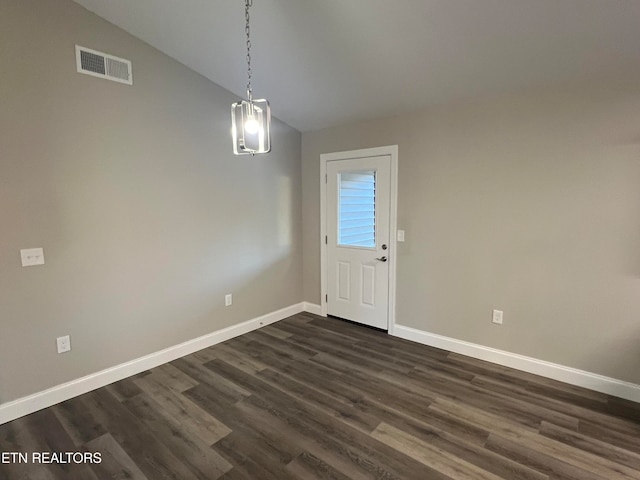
<point x="251" y="125"/>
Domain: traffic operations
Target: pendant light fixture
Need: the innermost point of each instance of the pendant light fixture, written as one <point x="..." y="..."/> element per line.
<point x="251" y="119"/>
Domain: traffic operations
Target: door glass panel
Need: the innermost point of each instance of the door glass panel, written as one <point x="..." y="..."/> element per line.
<point x="357" y="209"/>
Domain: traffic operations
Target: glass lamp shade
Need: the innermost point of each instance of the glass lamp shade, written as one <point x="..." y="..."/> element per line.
<point x="251" y="124"/>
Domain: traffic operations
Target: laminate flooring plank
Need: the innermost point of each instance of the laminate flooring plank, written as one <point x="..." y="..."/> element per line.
<point x="14" y="437"/>
<point x="261" y="353"/>
<point x="303" y="318"/>
<point x="496" y="371"/>
<point x="345" y="456"/>
<point x="193" y="419"/>
<point x="378" y="407"/>
<point x="555" y="467"/>
<point x="124" y="389"/>
<point x="457" y="437"/>
<point x="347" y="413"/>
<point x="552" y="389"/>
<point x="282" y="407"/>
<point x="274" y="331"/>
<point x="243" y="418"/>
<point x="323" y="378"/>
<point x="500" y="404"/>
<point x="285" y="433"/>
<point x="438" y="459"/>
<point x="596" y="402"/>
<point x="270" y="346"/>
<point x="239" y="359"/>
<point x="309" y="467"/>
<point x="574" y="409"/>
<point x="326" y="427"/>
<point x="396" y="395"/>
<point x="295" y="349"/>
<point x="172" y="377"/>
<point x="426" y="425"/>
<point x="376" y="336"/>
<point x="54" y="438"/>
<point x="342" y="389"/>
<point x="483" y="458"/>
<point x="361" y="358"/>
<point x="205" y="355"/>
<point x="264" y="355"/>
<point x="151" y="456"/>
<point x="77" y="420"/>
<point x="575" y="456"/>
<point x="23" y="471"/>
<point x="273" y="431"/>
<point x="206" y="376"/>
<point x="441" y="367"/>
<point x="115" y="463"/>
<point x="590" y="445"/>
<point x="612" y="436"/>
<point x="623" y="408"/>
<point x="321" y="339"/>
<point x="195" y="451"/>
<point x="256" y="458"/>
<point x="311" y="330"/>
<point x="488" y="421"/>
<point x="39" y="433"/>
<point x="235" y="474"/>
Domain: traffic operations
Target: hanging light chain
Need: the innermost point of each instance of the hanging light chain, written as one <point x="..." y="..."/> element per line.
<point x="247" y="30"/>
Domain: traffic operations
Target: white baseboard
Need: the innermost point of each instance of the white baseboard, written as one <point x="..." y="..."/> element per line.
<point x="313" y="308"/>
<point x="581" y="378"/>
<point x="46" y="398"/>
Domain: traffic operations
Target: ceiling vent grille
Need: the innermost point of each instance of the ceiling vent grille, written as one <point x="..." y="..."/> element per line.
<point x="98" y="64"/>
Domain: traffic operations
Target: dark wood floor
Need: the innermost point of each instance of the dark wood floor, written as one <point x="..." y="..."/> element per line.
<point x="315" y="398"/>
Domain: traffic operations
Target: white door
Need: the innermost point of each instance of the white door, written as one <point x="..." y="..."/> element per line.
<point x="358" y="208"/>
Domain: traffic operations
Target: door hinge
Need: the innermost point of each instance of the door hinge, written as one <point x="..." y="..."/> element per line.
<point x="326" y="178"/>
<point x="326" y="240"/>
<point x="326" y="298"/>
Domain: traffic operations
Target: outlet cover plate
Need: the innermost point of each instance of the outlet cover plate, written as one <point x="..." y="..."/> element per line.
<point x="497" y="317"/>
<point x="64" y="344"/>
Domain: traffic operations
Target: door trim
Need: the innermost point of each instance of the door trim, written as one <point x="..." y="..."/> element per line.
<point x="392" y="151"/>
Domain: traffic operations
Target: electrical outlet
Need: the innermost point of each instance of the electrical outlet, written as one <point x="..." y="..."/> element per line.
<point x="228" y="300"/>
<point x="497" y="317"/>
<point x="64" y="344"/>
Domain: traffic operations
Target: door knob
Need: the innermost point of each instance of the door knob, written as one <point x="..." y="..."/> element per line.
<point x="382" y="259"/>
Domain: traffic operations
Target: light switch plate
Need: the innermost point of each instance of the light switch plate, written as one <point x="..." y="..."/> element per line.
<point x="64" y="344"/>
<point x="401" y="235"/>
<point x="32" y="256"/>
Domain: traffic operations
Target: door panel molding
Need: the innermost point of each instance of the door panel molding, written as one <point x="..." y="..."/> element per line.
<point x="392" y="152"/>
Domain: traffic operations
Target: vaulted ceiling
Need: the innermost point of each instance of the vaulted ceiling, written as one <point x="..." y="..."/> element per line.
<point x="328" y="62"/>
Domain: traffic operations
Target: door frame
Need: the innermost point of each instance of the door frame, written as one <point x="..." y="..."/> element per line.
<point x="392" y="151"/>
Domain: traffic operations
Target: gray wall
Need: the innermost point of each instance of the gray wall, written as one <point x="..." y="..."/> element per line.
<point x="146" y="217"/>
<point x="528" y="203"/>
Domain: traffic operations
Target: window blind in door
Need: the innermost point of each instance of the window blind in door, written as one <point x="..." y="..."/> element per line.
<point x="357" y="209"/>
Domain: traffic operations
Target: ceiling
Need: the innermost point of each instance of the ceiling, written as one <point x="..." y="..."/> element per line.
<point x="329" y="62"/>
